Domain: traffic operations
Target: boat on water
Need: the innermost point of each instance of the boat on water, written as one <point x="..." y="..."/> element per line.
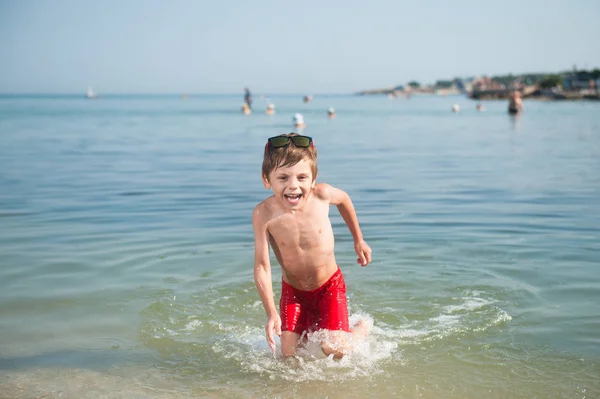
<point x="90" y="93"/>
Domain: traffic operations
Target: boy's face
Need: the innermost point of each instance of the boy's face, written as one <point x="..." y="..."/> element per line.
<point x="291" y="184"/>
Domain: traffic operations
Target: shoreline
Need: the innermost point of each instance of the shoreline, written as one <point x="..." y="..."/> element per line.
<point x="530" y="93"/>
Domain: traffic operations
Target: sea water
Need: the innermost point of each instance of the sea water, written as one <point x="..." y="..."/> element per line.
<point x="126" y="247"/>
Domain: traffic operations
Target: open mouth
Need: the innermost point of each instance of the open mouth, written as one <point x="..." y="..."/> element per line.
<point x="293" y="199"/>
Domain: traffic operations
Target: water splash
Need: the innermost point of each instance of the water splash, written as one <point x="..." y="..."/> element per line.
<point x="190" y="333"/>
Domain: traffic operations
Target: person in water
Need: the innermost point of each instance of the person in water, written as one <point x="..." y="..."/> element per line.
<point x="270" y="109"/>
<point x="298" y="120"/>
<point x="248" y="98"/>
<point x="294" y="221"/>
<point x="246" y="110"/>
<point x="515" y="104"/>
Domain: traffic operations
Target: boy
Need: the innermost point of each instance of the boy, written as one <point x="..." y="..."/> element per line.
<point x="295" y="222"/>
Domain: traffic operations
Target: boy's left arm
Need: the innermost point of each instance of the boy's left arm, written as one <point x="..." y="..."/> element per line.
<point x="344" y="204"/>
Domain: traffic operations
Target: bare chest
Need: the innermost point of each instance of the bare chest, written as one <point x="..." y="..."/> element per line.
<point x="301" y="232"/>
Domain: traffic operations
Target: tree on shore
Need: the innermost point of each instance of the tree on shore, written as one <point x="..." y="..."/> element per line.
<point x="444" y="84"/>
<point x="550" y="81"/>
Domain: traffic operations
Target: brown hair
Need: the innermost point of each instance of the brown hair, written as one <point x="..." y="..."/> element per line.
<point x="288" y="156"/>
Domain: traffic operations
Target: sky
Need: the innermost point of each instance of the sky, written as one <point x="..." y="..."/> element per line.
<point x="308" y="46"/>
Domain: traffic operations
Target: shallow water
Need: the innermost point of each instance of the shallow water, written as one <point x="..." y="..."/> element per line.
<point x="126" y="248"/>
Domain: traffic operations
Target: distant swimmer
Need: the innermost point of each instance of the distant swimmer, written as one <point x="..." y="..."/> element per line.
<point x="299" y="120"/>
<point x="479" y="107"/>
<point x="246" y="110"/>
<point x="90" y="94"/>
<point x="270" y="109"/>
<point x="456" y="108"/>
<point x="331" y="112"/>
<point x="307" y="99"/>
<point x="247" y="97"/>
<point x="515" y="104"/>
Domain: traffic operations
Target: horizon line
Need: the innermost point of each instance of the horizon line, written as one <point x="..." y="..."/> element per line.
<point x="255" y="94"/>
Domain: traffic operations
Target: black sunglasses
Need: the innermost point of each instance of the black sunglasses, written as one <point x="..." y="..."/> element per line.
<point x="283" y="141"/>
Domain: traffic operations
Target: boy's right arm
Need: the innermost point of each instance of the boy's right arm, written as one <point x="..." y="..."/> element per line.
<point x="262" y="276"/>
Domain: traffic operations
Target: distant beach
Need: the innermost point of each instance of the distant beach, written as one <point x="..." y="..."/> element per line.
<point x="567" y="85"/>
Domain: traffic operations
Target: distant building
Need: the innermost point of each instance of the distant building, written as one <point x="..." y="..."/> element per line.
<point x="486" y="83"/>
<point x="579" y="80"/>
<point x="460" y="85"/>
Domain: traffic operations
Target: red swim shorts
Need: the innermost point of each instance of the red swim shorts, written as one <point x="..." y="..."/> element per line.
<point x="323" y="308"/>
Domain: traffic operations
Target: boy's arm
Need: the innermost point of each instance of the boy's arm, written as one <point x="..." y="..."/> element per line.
<point x="344" y="204"/>
<point x="262" y="276"/>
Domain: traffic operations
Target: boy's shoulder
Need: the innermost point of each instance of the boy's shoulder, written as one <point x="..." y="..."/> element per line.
<point x="322" y="191"/>
<point x="266" y="203"/>
<point x="265" y="207"/>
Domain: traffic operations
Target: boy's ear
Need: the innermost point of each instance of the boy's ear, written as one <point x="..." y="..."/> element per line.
<point x="266" y="182"/>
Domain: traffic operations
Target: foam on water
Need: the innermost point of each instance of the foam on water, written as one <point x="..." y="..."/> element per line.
<point x="248" y="347"/>
<point x="185" y="328"/>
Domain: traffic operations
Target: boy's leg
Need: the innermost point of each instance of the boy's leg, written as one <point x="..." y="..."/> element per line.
<point x="293" y="318"/>
<point x="340" y="338"/>
<point x="334" y="320"/>
<point x="339" y="343"/>
<point x="335" y="343"/>
<point x="289" y="343"/>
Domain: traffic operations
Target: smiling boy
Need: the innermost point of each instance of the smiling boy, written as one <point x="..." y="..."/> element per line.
<point x="294" y="221"/>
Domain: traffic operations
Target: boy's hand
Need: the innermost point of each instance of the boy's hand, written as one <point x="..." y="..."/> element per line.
<point x="273" y="326"/>
<point x="363" y="251"/>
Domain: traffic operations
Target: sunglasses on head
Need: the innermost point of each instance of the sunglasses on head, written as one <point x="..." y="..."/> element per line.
<point x="283" y="141"/>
